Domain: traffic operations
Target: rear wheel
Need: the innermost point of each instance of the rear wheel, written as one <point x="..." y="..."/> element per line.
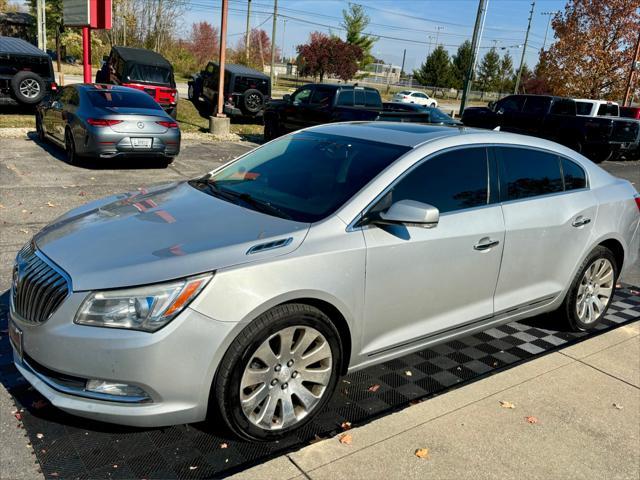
<point x="591" y="291"/>
<point x="278" y="373"/>
<point x="70" y="147"/>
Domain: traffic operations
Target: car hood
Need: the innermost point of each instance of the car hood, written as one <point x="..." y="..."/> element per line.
<point x="160" y="234"/>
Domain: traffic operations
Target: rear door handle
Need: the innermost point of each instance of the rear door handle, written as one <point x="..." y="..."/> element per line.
<point x="580" y="221"/>
<point x="485" y="244"/>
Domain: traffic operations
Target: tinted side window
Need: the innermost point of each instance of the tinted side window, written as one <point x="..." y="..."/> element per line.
<point x="322" y="96"/>
<point x="345" y="98"/>
<point x="302" y="96"/>
<point x="584" y="108"/>
<point x="451" y="181"/>
<point x="372" y="99"/>
<point x="536" y="105"/>
<point x="563" y="107"/>
<point x="510" y="104"/>
<point x="574" y="176"/>
<point x="358" y="97"/>
<point x="529" y="173"/>
<point x="608" y="110"/>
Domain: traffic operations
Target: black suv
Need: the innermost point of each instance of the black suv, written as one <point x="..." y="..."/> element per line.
<point x="26" y="73"/>
<point x="245" y="90"/>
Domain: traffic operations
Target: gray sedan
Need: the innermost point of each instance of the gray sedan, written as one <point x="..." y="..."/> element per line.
<point x="251" y="289"/>
<point x="107" y="121"/>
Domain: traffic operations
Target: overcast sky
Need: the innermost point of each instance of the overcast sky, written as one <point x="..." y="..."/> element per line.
<point x="411" y="24"/>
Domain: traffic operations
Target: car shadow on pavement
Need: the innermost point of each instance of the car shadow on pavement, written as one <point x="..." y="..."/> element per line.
<point x="98" y="164"/>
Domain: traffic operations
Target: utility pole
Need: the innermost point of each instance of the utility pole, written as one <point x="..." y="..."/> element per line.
<point x="41" y="18"/>
<point x="404" y="56"/>
<point x="634" y="67"/>
<point x="438" y="28"/>
<point x="477" y="32"/>
<point x="549" y="14"/>
<point x="223" y="51"/>
<point x="248" y="32"/>
<point x="273" y="43"/>
<point x="284" y="29"/>
<point x="524" y="48"/>
<point x="430" y="38"/>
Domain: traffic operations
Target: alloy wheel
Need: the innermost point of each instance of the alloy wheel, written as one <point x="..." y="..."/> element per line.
<point x="70" y="148"/>
<point x="595" y="290"/>
<point x="286" y="377"/>
<point x="29" y="88"/>
<point x="253" y="101"/>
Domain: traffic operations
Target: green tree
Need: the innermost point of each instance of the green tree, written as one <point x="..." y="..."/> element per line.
<point x="527" y="75"/>
<point x="355" y="21"/>
<point x="460" y="64"/>
<point x="436" y="70"/>
<point x="505" y="74"/>
<point x="487" y="78"/>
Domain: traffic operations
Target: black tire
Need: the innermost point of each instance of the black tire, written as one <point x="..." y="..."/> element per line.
<point x="271" y="128"/>
<point x="28" y="88"/>
<point x="40" y="128"/>
<point x="70" y="148"/>
<point x="252" y="101"/>
<point x="568" y="309"/>
<point x="226" y="387"/>
<point x="190" y="91"/>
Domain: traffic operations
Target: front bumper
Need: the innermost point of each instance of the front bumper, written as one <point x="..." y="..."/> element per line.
<point x="174" y="366"/>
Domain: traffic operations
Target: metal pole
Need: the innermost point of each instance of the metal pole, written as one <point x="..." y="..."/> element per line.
<point x="474" y="47"/>
<point x="86" y="54"/>
<point x="524" y="48"/>
<point x="39" y="22"/>
<point x="273" y="42"/>
<point x="44" y="26"/>
<point x="247" y="34"/>
<point x="284" y="28"/>
<point x="404" y="55"/>
<point x="438" y="28"/>
<point x="632" y="69"/>
<point x="223" y="49"/>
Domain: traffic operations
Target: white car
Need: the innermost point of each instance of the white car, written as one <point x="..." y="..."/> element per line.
<point x="414" y="96"/>
<point x="596" y="108"/>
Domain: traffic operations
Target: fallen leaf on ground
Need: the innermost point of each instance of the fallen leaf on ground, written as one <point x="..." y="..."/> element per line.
<point x="18" y="415"/>
<point x="422" y="453"/>
<point x="224" y="445"/>
<point x="408" y="373"/>
<point x="346" y="425"/>
<point x="25" y="211"/>
<point x="345" y="439"/>
<point x="82" y="194"/>
<point x="531" y="419"/>
<point x="24" y="230"/>
<point x="50" y="204"/>
<point x="40" y="435"/>
<point x="505" y="404"/>
<point x="374" y="388"/>
<point x="192" y="467"/>
<point x="1" y="205"/>
<point x="618" y="406"/>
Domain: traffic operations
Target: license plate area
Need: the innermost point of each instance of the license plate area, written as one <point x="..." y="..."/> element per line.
<point x="15" y="335"/>
<point x="141" y="142"/>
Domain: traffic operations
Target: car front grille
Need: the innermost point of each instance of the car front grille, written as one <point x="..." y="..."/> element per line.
<point x="38" y="287"/>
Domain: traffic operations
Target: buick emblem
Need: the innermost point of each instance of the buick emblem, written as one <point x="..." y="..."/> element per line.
<point x="140" y="125"/>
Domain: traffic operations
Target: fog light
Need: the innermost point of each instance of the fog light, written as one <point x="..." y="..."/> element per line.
<point x="111" y="388"/>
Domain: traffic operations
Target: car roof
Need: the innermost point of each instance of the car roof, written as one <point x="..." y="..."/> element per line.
<point x="20" y="47"/>
<point x="142" y="56"/>
<point x="237" y="69"/>
<point x="101" y="87"/>
<point x="600" y="102"/>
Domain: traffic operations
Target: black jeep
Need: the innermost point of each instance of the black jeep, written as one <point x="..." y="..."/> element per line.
<point x="245" y="90"/>
<point x="26" y="73"/>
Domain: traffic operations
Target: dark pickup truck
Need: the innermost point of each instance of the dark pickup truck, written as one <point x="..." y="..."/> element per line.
<point x="315" y="104"/>
<point x="554" y="118"/>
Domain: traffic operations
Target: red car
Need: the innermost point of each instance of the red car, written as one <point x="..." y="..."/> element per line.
<point x="143" y="70"/>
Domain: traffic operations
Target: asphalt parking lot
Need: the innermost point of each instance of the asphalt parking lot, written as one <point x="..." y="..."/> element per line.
<point x="37" y="185"/>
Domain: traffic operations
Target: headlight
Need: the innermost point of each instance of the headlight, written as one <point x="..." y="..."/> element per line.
<point x="141" y="308"/>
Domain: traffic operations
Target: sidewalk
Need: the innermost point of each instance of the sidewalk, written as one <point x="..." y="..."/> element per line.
<point x="586" y="399"/>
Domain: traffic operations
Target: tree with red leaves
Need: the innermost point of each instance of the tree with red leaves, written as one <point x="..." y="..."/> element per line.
<point x="328" y="55"/>
<point x="204" y="42"/>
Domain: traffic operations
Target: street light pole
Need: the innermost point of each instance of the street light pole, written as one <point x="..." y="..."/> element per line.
<point x="273" y="42"/>
<point x="524" y="48"/>
<point x="477" y="32"/>
<point x="248" y="32"/>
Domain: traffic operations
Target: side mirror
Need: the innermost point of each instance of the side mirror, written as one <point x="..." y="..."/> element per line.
<point x="411" y="213"/>
<point x="286" y="98"/>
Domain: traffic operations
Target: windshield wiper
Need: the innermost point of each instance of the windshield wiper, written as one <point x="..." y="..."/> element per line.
<point x="234" y="196"/>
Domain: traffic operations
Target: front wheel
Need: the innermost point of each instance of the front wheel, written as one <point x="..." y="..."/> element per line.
<point x="70" y="148"/>
<point x="278" y="373"/>
<point x="592" y="290"/>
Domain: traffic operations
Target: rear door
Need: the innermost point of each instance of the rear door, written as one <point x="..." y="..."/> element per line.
<point x="210" y="81"/>
<point x="548" y="213"/>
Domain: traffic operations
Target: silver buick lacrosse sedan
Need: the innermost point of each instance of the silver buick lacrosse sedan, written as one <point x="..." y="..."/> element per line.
<point x="250" y="290"/>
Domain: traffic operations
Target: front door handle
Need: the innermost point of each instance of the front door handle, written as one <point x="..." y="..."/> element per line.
<point x="485" y="244"/>
<point x="580" y="221"/>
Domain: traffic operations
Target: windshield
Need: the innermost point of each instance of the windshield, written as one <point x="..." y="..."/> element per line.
<point x="117" y="99"/>
<point x="149" y="74"/>
<point x="304" y="177"/>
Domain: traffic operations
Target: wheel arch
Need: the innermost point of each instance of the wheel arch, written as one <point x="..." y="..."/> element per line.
<point x="616" y="247"/>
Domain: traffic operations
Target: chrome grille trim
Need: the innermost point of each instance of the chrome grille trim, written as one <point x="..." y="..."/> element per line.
<point x="39" y="286"/>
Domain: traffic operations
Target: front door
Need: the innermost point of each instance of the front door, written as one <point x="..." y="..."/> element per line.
<point x="424" y="281"/>
<point x="296" y="112"/>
